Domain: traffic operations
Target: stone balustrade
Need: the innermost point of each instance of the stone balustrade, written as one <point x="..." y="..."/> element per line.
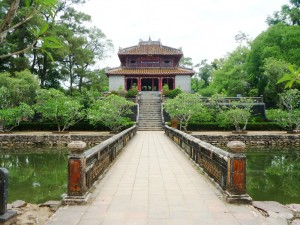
<point x="228" y="170"/>
<point x="85" y="168"/>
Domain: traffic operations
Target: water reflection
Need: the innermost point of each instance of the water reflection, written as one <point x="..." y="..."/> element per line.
<point x="37" y="175"/>
<point x="274" y="175"/>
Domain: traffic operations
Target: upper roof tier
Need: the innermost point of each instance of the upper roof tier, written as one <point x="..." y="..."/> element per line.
<point x="150" y="48"/>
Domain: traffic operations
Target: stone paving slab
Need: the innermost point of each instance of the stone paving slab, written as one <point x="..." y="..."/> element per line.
<point x="153" y="182"/>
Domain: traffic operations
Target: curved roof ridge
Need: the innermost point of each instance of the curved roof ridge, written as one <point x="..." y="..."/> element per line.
<point x="150" y="47"/>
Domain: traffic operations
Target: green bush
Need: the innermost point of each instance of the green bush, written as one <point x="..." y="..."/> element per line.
<point x="132" y="92"/>
<point x="173" y="93"/>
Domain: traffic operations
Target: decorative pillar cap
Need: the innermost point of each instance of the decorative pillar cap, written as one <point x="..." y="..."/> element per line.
<point x="236" y="146"/>
<point x="77" y="146"/>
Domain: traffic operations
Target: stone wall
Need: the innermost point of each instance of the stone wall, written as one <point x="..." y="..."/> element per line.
<point x="184" y="82"/>
<point x="253" y="140"/>
<point x="22" y="140"/>
<point x="115" y="82"/>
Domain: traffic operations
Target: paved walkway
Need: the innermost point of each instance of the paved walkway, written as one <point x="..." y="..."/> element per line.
<point x="152" y="182"/>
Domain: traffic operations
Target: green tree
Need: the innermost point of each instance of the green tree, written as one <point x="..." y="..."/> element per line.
<point x="11" y="117"/>
<point x="16" y="94"/>
<point x="273" y="69"/>
<point x="280" y="42"/>
<point x="184" y="107"/>
<point x="111" y="111"/>
<point x="21" y="86"/>
<point x="289" y="14"/>
<point x="231" y="75"/>
<point x="56" y="107"/>
<point x="15" y="17"/>
<point x="237" y="113"/>
<point x="288" y="116"/>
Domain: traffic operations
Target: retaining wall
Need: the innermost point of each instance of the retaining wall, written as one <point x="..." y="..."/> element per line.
<point x="23" y="140"/>
<point x="292" y="140"/>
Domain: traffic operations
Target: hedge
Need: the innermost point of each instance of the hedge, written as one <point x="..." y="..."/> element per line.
<point x="213" y="126"/>
<point x="80" y="126"/>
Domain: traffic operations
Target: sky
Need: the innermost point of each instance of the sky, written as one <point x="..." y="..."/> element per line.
<point x="204" y="29"/>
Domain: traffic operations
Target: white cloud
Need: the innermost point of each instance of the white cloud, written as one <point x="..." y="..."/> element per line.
<point x="205" y="29"/>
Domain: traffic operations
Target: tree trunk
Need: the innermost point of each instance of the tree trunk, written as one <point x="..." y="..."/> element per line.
<point x="4" y="27"/>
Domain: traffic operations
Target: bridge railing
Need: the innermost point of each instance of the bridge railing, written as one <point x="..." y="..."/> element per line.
<point x="85" y="168"/>
<point x="228" y="170"/>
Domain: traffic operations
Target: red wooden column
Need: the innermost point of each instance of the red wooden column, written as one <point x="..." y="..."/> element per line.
<point x="139" y="84"/>
<point x="160" y="84"/>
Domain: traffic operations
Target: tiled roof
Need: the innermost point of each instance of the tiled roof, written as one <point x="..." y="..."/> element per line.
<point x="150" y="71"/>
<point x="150" y="48"/>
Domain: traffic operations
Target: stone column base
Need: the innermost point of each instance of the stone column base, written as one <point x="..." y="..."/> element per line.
<point x="8" y="218"/>
<point x="240" y="199"/>
<point x="77" y="200"/>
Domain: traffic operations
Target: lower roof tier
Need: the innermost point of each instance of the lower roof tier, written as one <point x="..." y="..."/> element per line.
<point x="150" y="71"/>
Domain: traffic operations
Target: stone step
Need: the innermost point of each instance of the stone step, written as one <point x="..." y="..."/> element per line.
<point x="151" y="129"/>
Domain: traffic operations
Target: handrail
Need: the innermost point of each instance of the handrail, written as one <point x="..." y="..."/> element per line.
<point x="228" y="170"/>
<point x="85" y="168"/>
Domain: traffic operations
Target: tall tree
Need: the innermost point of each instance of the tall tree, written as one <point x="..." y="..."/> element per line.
<point x="280" y="42"/>
<point x="13" y="19"/>
<point x="289" y="14"/>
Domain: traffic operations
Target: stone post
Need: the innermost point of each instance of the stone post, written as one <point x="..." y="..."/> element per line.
<point x="3" y="190"/>
<point x="77" y="189"/>
<point x="236" y="174"/>
<point x="7" y="217"/>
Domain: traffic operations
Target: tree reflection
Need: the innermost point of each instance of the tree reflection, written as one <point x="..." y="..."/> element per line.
<point x="36" y="177"/>
<point x="273" y="175"/>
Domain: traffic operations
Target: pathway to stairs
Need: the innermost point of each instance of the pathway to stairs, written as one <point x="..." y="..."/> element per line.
<point x="150" y="111"/>
<point x="152" y="182"/>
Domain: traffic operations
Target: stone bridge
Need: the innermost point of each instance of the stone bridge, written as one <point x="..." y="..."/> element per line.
<point x="152" y="181"/>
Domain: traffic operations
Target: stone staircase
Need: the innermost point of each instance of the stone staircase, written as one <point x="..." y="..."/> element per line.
<point x="150" y="111"/>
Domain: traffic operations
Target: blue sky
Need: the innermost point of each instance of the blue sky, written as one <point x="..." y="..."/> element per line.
<point x="205" y="29"/>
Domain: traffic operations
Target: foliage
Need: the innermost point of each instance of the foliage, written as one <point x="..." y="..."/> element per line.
<point x="55" y="106"/>
<point x="111" y="111"/>
<point x="20" y="87"/>
<point x="57" y="44"/>
<point x="291" y="78"/>
<point x="11" y="117"/>
<point x="237" y="113"/>
<point x="279" y="42"/>
<point x="165" y="90"/>
<point x="16" y="94"/>
<point x="173" y="93"/>
<point x="289" y="14"/>
<point x="231" y="74"/>
<point x="16" y="16"/>
<point x="186" y="62"/>
<point x="132" y="92"/>
<point x="288" y="116"/>
<point x="285" y="119"/>
<point x="290" y="99"/>
<point x="184" y="107"/>
<point x="273" y="69"/>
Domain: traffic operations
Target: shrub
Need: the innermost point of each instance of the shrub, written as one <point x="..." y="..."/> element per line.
<point x="132" y="92"/>
<point x="173" y="93"/>
<point x="111" y="111"/>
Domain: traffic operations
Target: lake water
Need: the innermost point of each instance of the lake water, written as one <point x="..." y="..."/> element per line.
<point x="274" y="175"/>
<point x="39" y="175"/>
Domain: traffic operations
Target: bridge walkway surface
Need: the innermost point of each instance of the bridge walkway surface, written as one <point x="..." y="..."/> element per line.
<point x="153" y="182"/>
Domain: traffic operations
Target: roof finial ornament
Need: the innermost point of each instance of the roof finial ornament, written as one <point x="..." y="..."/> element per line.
<point x="140" y="41"/>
